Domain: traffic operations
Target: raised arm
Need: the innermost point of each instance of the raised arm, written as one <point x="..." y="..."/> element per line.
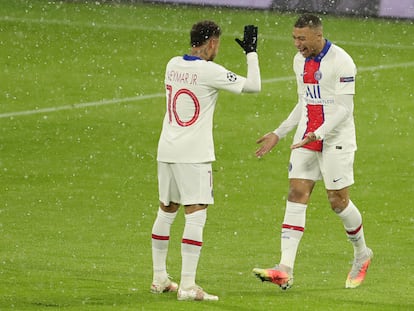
<point x="249" y="46"/>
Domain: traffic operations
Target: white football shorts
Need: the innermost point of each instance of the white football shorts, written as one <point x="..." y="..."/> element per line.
<point x="185" y="184"/>
<point x="335" y="169"/>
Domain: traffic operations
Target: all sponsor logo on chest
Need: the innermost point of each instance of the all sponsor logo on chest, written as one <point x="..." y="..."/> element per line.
<point x="313" y="95"/>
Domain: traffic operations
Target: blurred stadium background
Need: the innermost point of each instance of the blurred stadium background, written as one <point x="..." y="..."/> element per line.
<point x="380" y="8"/>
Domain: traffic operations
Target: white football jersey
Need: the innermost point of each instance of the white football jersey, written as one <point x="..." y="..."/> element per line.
<point x="320" y="80"/>
<point x="192" y="86"/>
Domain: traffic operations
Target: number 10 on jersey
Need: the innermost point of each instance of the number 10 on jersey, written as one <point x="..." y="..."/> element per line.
<point x="172" y="106"/>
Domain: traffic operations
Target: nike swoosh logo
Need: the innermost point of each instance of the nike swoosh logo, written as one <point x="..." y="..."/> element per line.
<point x="337" y="179"/>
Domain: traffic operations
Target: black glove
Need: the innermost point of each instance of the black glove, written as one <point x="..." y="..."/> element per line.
<point x="249" y="43"/>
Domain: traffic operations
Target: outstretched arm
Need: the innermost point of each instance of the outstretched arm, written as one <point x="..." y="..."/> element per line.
<point x="291" y="122"/>
<point x="249" y="46"/>
<point x="253" y="82"/>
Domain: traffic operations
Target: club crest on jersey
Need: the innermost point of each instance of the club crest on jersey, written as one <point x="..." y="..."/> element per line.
<point x="317" y="75"/>
<point x="232" y="77"/>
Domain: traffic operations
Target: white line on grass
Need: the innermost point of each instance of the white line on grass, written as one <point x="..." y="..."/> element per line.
<point x="144" y="97"/>
<point x="81" y="105"/>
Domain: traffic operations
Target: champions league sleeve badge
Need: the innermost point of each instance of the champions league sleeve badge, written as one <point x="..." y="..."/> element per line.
<point x="232" y="77"/>
<point x="346" y="79"/>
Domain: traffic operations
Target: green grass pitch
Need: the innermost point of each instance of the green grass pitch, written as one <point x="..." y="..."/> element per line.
<point x="81" y="106"/>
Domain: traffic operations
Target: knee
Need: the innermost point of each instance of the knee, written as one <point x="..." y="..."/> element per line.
<point x="298" y="196"/>
<point x="171" y="208"/>
<point x="189" y="209"/>
<point x="338" y="202"/>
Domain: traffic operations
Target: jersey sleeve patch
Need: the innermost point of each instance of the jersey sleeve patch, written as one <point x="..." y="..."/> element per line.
<point x="232" y="77"/>
<point x="346" y="79"/>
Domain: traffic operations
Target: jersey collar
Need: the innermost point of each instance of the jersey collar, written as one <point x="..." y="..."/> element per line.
<point x="191" y="57"/>
<point x="319" y="57"/>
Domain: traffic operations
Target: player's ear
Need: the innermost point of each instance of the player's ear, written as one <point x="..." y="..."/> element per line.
<point x="212" y="42"/>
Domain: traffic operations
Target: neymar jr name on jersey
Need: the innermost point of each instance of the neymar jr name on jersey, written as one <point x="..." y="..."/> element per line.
<point x="182" y="77"/>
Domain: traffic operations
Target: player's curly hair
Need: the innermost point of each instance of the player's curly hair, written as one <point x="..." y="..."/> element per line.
<point x="308" y="20"/>
<point x="202" y="31"/>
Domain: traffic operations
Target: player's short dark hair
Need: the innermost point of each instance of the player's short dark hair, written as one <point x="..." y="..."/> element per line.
<point x="202" y="31"/>
<point x="308" y="20"/>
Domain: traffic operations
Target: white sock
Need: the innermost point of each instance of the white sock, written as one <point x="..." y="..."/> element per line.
<point x="352" y="221"/>
<point x="191" y="246"/>
<point x="160" y="240"/>
<point x="292" y="232"/>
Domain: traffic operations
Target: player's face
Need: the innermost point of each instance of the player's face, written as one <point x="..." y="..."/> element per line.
<point x="308" y="41"/>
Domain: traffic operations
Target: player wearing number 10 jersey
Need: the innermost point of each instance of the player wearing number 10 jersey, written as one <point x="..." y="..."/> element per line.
<point x="186" y="149"/>
<point x="192" y="87"/>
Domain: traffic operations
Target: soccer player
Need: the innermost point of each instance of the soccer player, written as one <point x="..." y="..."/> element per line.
<point x="186" y="149"/>
<point x="324" y="147"/>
